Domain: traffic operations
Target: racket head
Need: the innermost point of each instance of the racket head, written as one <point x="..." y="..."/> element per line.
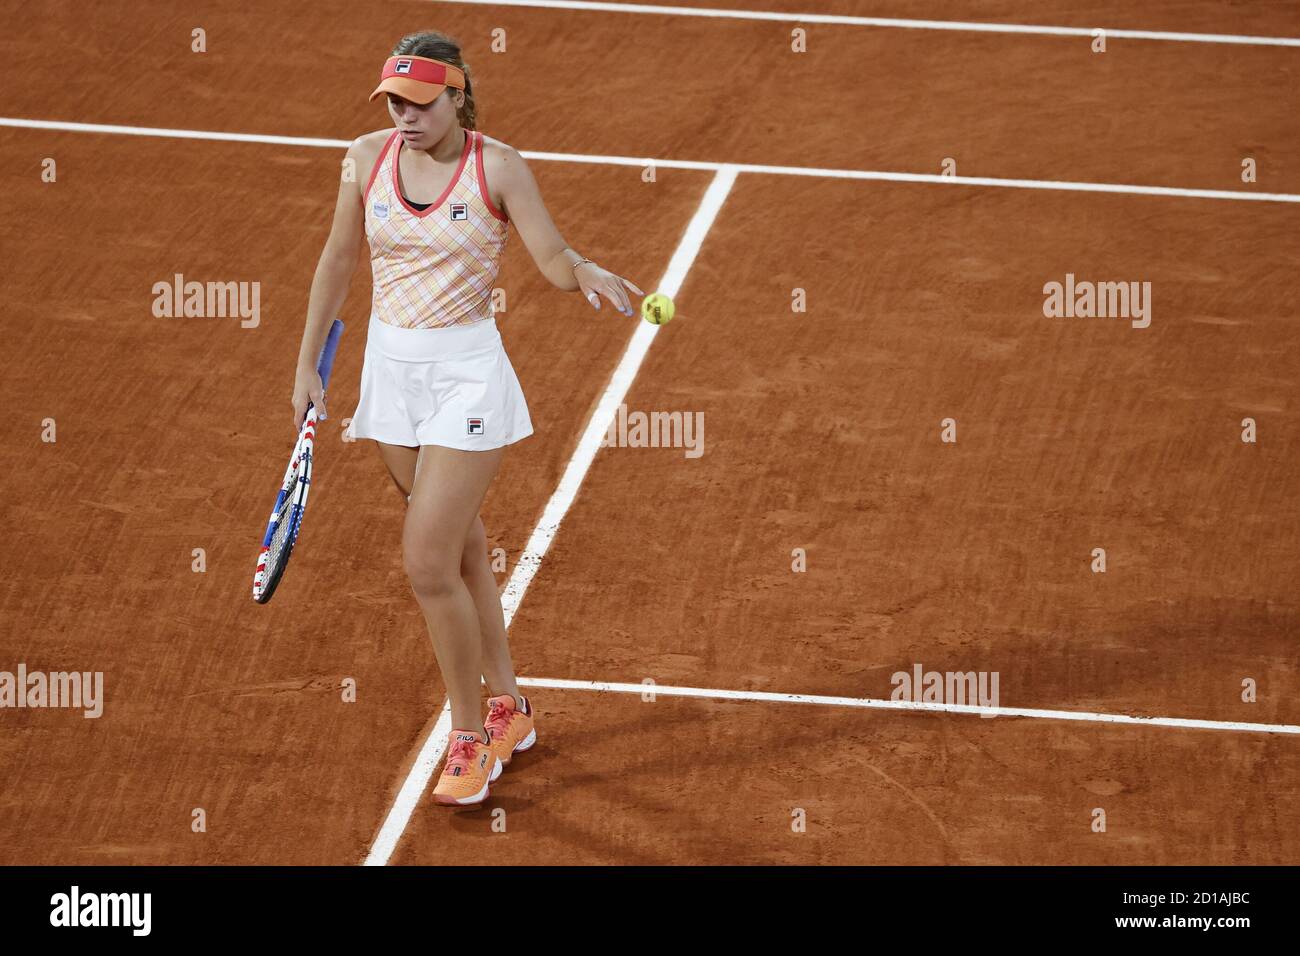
<point x="286" y="519"/>
<point x="291" y="501"/>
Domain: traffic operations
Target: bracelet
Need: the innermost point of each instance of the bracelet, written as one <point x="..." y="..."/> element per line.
<point x="580" y="262"/>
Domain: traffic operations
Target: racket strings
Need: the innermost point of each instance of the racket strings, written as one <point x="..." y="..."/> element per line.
<point x="291" y="502"/>
<point x="282" y="528"/>
<point x="280" y="546"/>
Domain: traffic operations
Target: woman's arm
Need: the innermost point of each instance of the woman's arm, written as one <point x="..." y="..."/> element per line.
<point x="522" y="201"/>
<point x="329" y="287"/>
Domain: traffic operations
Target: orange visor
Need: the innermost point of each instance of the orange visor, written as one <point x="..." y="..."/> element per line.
<point x="418" y="78"/>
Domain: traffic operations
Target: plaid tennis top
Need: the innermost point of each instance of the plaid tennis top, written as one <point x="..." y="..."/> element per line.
<point x="434" y="267"/>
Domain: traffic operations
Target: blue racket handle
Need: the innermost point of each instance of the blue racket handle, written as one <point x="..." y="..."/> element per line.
<point x="326" y="363"/>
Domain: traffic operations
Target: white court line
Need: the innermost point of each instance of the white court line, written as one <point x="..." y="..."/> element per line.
<point x="412" y="789"/>
<point x="888" y="22"/>
<point x="562" y="498"/>
<point x="431" y="753"/>
<point x="878" y="704"/>
<point x="827" y="173"/>
<point x="67" y="127"/>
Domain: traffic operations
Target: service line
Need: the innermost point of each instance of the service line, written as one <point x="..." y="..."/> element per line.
<point x="705" y="165"/>
<point x="960" y="26"/>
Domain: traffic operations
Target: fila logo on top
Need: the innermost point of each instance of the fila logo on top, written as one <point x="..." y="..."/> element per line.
<point x="459" y="211"/>
<point x="403" y="66"/>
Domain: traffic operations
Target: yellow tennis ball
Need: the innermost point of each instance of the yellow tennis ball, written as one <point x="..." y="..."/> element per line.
<point x="657" y="309"/>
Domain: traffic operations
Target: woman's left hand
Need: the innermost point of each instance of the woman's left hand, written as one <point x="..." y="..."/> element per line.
<point x="595" y="281"/>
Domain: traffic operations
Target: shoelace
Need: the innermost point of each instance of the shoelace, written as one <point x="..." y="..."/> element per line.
<point x="461" y="754"/>
<point x="499" y="716"/>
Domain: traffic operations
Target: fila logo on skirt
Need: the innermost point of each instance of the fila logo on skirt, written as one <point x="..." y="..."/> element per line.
<point x="474" y="426"/>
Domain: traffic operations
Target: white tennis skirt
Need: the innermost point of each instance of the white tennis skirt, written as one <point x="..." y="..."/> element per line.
<point x="453" y="386"/>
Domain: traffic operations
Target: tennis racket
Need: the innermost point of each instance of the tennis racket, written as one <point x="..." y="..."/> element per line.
<point x="291" y="502"/>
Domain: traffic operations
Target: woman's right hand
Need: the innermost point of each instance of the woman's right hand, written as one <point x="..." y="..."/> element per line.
<point x="307" y="387"/>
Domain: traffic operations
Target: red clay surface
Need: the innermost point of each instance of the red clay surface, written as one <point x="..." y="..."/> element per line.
<point x="1072" y="434"/>
<point x="1036" y="107"/>
<point x="715" y="782"/>
<point x="821" y="433"/>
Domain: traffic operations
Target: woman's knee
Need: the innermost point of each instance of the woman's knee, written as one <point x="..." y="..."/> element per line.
<point x="432" y="568"/>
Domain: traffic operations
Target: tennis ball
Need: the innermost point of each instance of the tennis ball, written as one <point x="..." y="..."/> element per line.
<point x="657" y="309"/>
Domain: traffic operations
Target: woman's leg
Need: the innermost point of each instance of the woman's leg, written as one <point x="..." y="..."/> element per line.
<point x="400" y="461"/>
<point x="448" y="489"/>
<point x="476" y="570"/>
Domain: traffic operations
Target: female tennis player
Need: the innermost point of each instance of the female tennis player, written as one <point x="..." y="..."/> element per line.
<point x="434" y="198"/>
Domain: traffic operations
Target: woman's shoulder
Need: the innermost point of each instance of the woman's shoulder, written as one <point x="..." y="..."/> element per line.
<point x="497" y="156"/>
<point x="493" y="145"/>
<point x="369" y="144"/>
<point x="364" y="153"/>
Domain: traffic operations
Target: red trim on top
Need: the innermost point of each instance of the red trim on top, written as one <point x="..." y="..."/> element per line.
<point x="437" y="203"/>
<point x="422" y="69"/>
<point x="379" y="162"/>
<point x="482" y="180"/>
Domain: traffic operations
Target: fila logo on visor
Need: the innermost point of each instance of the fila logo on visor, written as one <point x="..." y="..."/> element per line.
<point x="403" y="66"/>
<point x="474" y="426"/>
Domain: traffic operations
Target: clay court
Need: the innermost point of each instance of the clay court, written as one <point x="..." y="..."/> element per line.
<point x="698" y="699"/>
